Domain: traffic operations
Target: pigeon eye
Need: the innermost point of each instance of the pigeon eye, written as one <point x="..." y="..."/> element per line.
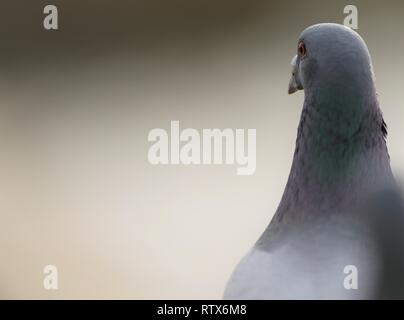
<point x="301" y="49"/>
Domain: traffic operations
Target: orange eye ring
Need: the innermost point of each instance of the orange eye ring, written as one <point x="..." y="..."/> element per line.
<point x="301" y="49"/>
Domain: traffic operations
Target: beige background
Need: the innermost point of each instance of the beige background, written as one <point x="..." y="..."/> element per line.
<point x="76" y="106"/>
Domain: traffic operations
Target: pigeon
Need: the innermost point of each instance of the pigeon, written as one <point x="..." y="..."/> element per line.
<point x="338" y="230"/>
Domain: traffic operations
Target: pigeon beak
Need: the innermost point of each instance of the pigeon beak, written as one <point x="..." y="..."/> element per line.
<point x="294" y="83"/>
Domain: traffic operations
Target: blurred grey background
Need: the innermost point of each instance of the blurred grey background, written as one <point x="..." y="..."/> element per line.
<point x="77" y="104"/>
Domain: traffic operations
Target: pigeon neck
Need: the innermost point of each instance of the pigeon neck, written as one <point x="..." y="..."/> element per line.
<point x="337" y="160"/>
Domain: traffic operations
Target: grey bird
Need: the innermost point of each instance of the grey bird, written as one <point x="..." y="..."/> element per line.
<point x="338" y="230"/>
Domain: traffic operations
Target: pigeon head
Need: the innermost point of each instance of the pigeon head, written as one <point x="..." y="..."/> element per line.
<point x="331" y="59"/>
